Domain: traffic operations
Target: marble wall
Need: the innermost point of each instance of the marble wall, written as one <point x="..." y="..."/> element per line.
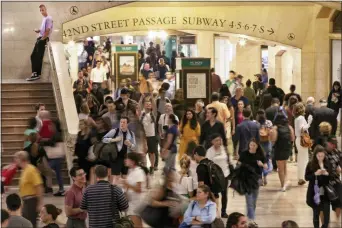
<point x="19" y="19"/>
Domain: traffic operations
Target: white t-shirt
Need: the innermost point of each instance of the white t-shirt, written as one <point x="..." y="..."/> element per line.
<point x="220" y="158"/>
<point x="164" y="119"/>
<point x="149" y="125"/>
<point x="170" y="93"/>
<point x="183" y="185"/>
<point x="135" y="176"/>
<point x="193" y="167"/>
<point x="98" y="75"/>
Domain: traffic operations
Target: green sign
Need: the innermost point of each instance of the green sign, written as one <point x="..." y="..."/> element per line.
<point x="195" y="63"/>
<point x="126" y="48"/>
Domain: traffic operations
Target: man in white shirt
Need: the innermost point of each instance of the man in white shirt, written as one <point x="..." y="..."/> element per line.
<point x="218" y="155"/>
<point x="170" y="79"/>
<point x="148" y="120"/>
<point x="98" y="74"/>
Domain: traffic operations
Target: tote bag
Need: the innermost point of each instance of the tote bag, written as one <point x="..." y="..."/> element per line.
<point x="57" y="151"/>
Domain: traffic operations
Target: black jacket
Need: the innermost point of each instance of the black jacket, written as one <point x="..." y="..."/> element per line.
<point x="322" y="181"/>
<point x="320" y="115"/>
<point x="334" y="100"/>
<point x="276" y="92"/>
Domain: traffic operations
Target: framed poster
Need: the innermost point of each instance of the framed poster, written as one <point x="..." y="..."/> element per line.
<point x="126" y="67"/>
<point x="196" y="85"/>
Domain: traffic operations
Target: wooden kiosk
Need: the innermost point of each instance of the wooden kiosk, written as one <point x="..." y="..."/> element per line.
<point x="193" y="76"/>
<point x="125" y="63"/>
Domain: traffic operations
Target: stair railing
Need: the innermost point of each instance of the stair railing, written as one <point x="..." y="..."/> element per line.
<point x="66" y="108"/>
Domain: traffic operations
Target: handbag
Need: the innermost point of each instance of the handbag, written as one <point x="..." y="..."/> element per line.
<point x="305" y="140"/>
<point x="57" y="151"/>
<point x="332" y="195"/>
<point x="124" y="221"/>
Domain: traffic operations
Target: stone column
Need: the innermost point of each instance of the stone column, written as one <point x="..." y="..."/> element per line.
<point x="205" y="45"/>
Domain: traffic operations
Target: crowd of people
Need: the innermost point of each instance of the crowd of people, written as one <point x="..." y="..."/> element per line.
<point x="246" y="132"/>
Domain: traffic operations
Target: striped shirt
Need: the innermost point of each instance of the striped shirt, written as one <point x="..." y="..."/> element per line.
<point x="103" y="202"/>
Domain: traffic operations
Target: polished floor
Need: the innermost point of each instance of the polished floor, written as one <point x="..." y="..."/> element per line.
<point x="273" y="206"/>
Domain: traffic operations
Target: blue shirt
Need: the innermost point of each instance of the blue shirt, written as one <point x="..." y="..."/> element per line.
<point x="235" y="102"/>
<point x="207" y="213"/>
<point x="245" y="131"/>
<point x="174" y="131"/>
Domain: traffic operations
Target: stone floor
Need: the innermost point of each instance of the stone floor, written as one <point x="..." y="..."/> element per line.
<point x="273" y="206"/>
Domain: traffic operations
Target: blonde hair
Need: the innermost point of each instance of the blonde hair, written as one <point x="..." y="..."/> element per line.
<point x="325" y="128"/>
<point x="299" y="109"/>
<point x="85" y="108"/>
<point x="184" y="164"/>
<point x="22" y="156"/>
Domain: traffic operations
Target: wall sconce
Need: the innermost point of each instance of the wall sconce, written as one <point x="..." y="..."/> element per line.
<point x="242" y="42"/>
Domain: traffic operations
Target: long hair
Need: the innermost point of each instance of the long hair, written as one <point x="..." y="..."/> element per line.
<point x="337" y="83"/>
<point x="193" y="121"/>
<point x="184" y="164"/>
<point x="233" y="219"/>
<point x="314" y="161"/>
<point x="259" y="150"/>
<point x="206" y="189"/>
<point x="224" y="91"/>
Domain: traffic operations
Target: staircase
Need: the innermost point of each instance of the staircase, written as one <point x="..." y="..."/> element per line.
<point x="17" y="106"/>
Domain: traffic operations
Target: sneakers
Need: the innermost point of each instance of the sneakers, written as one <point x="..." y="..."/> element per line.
<point x="59" y="193"/>
<point x="224" y="215"/>
<point x="33" y="77"/>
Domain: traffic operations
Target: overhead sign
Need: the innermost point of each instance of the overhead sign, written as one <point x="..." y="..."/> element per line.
<point x="248" y="20"/>
<point x="126" y="48"/>
<point x="187" y="40"/>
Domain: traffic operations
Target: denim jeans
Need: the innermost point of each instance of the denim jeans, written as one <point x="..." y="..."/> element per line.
<point x="56" y="165"/>
<point x="251" y="200"/>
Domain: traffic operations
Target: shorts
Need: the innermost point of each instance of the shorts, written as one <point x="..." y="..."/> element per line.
<point x="118" y="167"/>
<point x="152" y="145"/>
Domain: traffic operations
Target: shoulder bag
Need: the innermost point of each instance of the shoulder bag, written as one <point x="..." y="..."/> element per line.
<point x="124" y="221"/>
<point x="57" y="151"/>
<point x="305" y="140"/>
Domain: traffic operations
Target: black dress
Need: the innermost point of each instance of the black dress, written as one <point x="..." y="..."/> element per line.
<point x="81" y="151"/>
<point x="283" y="145"/>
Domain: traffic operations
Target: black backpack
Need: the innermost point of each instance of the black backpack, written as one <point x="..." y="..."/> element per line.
<point x="217" y="179"/>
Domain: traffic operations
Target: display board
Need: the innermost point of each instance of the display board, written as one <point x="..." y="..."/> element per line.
<point x="125" y="64"/>
<point x="194" y="79"/>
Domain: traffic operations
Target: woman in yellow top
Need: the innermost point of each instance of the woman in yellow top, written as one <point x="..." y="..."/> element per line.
<point x="190" y="130"/>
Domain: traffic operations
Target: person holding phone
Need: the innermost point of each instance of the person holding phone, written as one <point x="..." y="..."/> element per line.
<point x="318" y="172"/>
<point x="39" y="47"/>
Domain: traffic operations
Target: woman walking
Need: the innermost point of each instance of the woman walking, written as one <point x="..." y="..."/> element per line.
<point x="300" y="126"/>
<point x="334" y="99"/>
<point x="255" y="158"/>
<point x="282" y="137"/>
<point x="317" y="173"/>
<point x="190" y="131"/>
<point x="265" y="143"/>
<point x="134" y="186"/>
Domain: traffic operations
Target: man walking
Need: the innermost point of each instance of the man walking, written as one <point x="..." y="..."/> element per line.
<point x="30" y="187"/>
<point x="39" y="47"/>
<point x="103" y="201"/>
<point x="210" y="127"/>
<point x="246" y="131"/>
<point x="73" y="199"/>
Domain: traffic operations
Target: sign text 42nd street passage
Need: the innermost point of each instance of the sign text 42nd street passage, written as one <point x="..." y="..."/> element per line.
<point x="167" y="20"/>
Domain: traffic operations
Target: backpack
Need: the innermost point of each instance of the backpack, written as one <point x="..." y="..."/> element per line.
<point x="217" y="179"/>
<point x="264" y="133"/>
<point x="105" y="152"/>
